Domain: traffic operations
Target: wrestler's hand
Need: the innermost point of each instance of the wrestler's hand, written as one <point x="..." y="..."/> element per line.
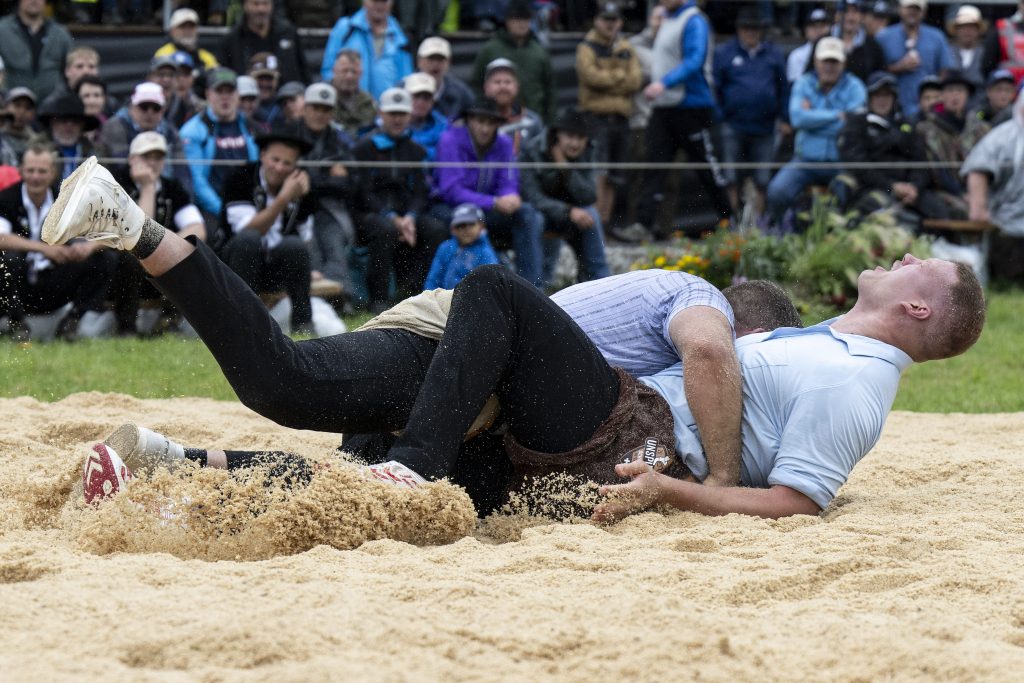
<point x="642" y="492"/>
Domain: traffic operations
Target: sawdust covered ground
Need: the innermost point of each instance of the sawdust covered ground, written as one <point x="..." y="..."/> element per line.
<point x="915" y="573"/>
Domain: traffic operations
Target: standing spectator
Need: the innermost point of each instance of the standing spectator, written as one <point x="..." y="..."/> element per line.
<point x="427" y="124"/>
<point x="434" y="57"/>
<point x="420" y="17"/>
<point x="332" y="188"/>
<point x="999" y="95"/>
<point x="268" y="209"/>
<point x="220" y="133"/>
<point x="33" y="48"/>
<point x="380" y="42"/>
<point x="261" y="31"/>
<point x="682" y="110"/>
<point x="863" y="53"/>
<point x="186" y="103"/>
<point x="750" y="82"/>
<point x="517" y="43"/>
<point x="393" y="222"/>
<point x="819" y="105"/>
<point x="66" y="124"/>
<point x="501" y="84"/>
<point x="609" y="75"/>
<point x="21" y="107"/>
<point x="817" y="27"/>
<point x="913" y="51"/>
<point x="184" y="37"/>
<point x="565" y="196"/>
<point x="1004" y="46"/>
<point x="877" y="17"/>
<point x="356" y="110"/>
<point x="37" y="277"/>
<point x="467" y="248"/>
<point x="966" y="48"/>
<point x="510" y="220"/>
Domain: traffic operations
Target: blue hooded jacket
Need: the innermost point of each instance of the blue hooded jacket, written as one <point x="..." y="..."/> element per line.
<point x="452" y="262"/>
<point x="379" y="73"/>
<point x="818" y="127"/>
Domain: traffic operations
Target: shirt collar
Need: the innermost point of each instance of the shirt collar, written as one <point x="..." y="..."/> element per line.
<point x="856" y="344"/>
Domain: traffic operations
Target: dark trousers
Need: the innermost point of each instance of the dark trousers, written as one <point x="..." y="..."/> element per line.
<point x="388" y="253"/>
<point x="84" y="283"/>
<point x="506" y="337"/>
<point x="672" y="129"/>
<point x="285" y="266"/>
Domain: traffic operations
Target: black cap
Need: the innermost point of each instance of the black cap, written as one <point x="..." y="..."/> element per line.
<point x="571" y="120"/>
<point x="483" y="106"/>
<point x="68" y="106"/>
<point x="817" y="16"/>
<point x="519" y="9"/>
<point x="1000" y="75"/>
<point x="287" y="133"/>
<point x="957" y="77"/>
<point x="880" y="9"/>
<point x="881" y="79"/>
<point x="750" y="17"/>
<point x="610" y="10"/>
<point x="929" y="83"/>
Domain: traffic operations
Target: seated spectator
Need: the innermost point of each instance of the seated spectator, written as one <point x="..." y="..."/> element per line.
<point x="427" y="124"/>
<point x="259" y="30"/>
<point x="65" y="124"/>
<point x="268" y="209"/>
<point x="876" y="17"/>
<point x="8" y="160"/>
<point x="467" y="248"/>
<point x="949" y="134"/>
<point x="913" y="51"/>
<point x="219" y="133"/>
<point x="517" y="43"/>
<point x="263" y="68"/>
<point x="995" y="193"/>
<point x="966" y="48"/>
<point x="288" y="104"/>
<point x="162" y="71"/>
<point x="609" y="75"/>
<point x="928" y="95"/>
<point x="501" y="84"/>
<point x="881" y="134"/>
<point x="33" y="48"/>
<point x="166" y="201"/>
<point x="80" y="62"/>
<point x="21" y="106"/>
<point x="143" y="112"/>
<point x="379" y="41"/>
<point x="434" y="57"/>
<point x="510" y="220"/>
<point x="818" y="107"/>
<point x="750" y="82"/>
<point x="332" y="188"/>
<point x="392" y="221"/>
<point x="39" y="278"/>
<point x="249" y="100"/>
<point x="1000" y="92"/>
<point x="183" y="31"/>
<point x="565" y="196"/>
<point x="186" y="103"/>
<point x="816" y="28"/>
<point x="92" y="90"/>
<point x="864" y="55"/>
<point x="357" y="110"/>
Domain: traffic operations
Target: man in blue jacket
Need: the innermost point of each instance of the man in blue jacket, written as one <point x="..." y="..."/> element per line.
<point x="378" y="38"/>
<point x="818" y="107"/>
<point x="750" y="81"/>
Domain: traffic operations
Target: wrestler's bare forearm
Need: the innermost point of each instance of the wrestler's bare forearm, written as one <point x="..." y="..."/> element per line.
<point x="714" y="387"/>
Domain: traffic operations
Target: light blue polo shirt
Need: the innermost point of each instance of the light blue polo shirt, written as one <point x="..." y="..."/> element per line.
<point x="934" y="53"/>
<point x="814" y="403"/>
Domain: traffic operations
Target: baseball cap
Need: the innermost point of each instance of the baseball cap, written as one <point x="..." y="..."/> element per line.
<point x="830" y="48"/>
<point x="419" y="82"/>
<point x="880" y="9"/>
<point x="322" y="94"/>
<point x="263" y="63"/>
<point x="290" y="89"/>
<point x="817" y="16"/>
<point x="396" y="100"/>
<point x="148" y="92"/>
<point x="519" y="9"/>
<point x="466" y="214"/>
<point x="500" y="64"/>
<point x="929" y="83"/>
<point x="247" y="87"/>
<point x="435" y="45"/>
<point x="881" y="79"/>
<point x="1000" y="75"/>
<point x="183" y="60"/>
<point x="609" y="10"/>
<point x="854" y="4"/>
<point x="921" y="4"/>
<point x="221" y="75"/>
<point x="150" y="141"/>
<point x="27" y="93"/>
<point x="968" y="14"/>
<point x="184" y="16"/>
<point x="162" y="61"/>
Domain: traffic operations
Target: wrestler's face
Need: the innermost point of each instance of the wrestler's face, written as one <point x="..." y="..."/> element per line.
<point x="908" y="279"/>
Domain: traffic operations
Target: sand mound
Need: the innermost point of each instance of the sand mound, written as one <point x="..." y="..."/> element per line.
<point x="916" y="572"/>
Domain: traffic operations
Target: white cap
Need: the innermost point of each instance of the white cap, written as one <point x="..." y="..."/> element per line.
<point x="148" y="92"/>
<point x="420" y="82"/>
<point x="322" y="93"/>
<point x="184" y="16"/>
<point x="396" y="100"/>
<point x="830" y="48"/>
<point x="923" y="4"/>
<point x="247" y="87"/>
<point x="967" y="14"/>
<point x="150" y="141"/>
<point x="435" y="45"/>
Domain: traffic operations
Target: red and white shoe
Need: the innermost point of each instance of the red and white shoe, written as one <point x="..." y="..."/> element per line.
<point x="104" y="474"/>
<point x="394" y="472"/>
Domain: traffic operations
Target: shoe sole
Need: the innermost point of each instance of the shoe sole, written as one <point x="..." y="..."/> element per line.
<point x="103" y="474"/>
<point x="125" y="442"/>
<point x="58" y="219"/>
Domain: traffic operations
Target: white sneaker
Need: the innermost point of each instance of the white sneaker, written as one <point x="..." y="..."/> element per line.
<point x="92" y="205"/>
<point x="144" y="450"/>
<point x="104" y="474"/>
<point x="394" y="472"/>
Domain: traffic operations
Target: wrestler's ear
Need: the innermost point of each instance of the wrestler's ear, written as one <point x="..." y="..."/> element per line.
<point x="917" y="309"/>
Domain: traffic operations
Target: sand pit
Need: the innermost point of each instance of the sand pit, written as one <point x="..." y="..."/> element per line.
<point x="915" y="573"/>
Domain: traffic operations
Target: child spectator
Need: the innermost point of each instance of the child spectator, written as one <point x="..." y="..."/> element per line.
<point x="467" y="248"/>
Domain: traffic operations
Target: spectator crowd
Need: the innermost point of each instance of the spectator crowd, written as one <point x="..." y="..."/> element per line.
<point x="378" y="172"/>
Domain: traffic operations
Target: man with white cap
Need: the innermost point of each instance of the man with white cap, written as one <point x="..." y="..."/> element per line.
<point x="818" y="107"/>
<point x="966" y="48"/>
<point x="392" y="218"/>
<point x="248" y="96"/>
<point x="427" y="123"/>
<point x="913" y="51"/>
<point x="434" y="57"/>
<point x="184" y="33"/>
